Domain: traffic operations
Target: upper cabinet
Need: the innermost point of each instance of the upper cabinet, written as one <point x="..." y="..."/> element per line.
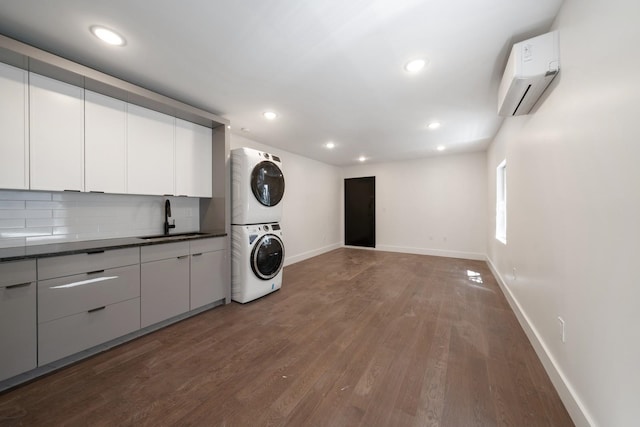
<point x="56" y="128"/>
<point x="14" y="137"/>
<point x="57" y="136"/>
<point x="193" y="159"/>
<point x="105" y="143"/>
<point x="150" y="151"/>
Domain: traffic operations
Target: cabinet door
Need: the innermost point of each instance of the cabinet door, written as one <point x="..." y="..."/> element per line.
<point x="17" y="318"/>
<point x="164" y="289"/>
<point x="57" y="134"/>
<point x="105" y="143"/>
<point x="207" y="278"/>
<point x="150" y="152"/>
<point x="193" y="159"/>
<point x="14" y="138"/>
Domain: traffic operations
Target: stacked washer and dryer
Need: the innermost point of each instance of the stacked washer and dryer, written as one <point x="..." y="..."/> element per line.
<point x="257" y="249"/>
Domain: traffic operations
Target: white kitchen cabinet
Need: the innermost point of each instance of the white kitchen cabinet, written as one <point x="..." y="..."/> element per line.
<point x="14" y="122"/>
<point x="85" y="300"/>
<point x="208" y="271"/>
<point x="150" y="152"/>
<point x="17" y="317"/>
<point x="164" y="283"/>
<point x="105" y="143"/>
<point x="193" y="159"/>
<point x="56" y="128"/>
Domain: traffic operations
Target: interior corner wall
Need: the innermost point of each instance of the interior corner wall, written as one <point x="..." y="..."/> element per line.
<point x="573" y="214"/>
<point x="310" y="218"/>
<point x="431" y="206"/>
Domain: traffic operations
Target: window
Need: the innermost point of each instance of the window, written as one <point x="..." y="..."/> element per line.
<point x="501" y="202"/>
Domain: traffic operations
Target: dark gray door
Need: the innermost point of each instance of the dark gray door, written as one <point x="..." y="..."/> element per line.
<point x="360" y="211"/>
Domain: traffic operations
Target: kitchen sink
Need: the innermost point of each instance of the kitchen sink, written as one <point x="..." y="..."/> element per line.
<point x="172" y="236"/>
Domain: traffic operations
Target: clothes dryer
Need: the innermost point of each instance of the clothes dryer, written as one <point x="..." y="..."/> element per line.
<point x="257" y="257"/>
<point x="257" y="187"/>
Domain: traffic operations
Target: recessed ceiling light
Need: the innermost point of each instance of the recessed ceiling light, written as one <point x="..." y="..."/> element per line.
<point x="108" y="36"/>
<point x="269" y="115"/>
<point x="441" y="148"/>
<point x="362" y="158"/>
<point x="415" y="65"/>
<point x="434" y="125"/>
<point x="330" y="145"/>
<point x="228" y="126"/>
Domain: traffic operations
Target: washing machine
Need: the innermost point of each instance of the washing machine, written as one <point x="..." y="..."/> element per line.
<point x="257" y="187"/>
<point x="256" y="263"/>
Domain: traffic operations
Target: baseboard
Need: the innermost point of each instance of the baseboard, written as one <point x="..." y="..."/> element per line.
<point x="309" y="254"/>
<point x="567" y="394"/>
<point x="433" y="252"/>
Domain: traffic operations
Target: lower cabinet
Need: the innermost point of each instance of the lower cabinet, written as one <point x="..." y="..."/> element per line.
<point x="85" y="300"/>
<point x="164" y="285"/>
<point x="208" y="268"/>
<point x="17" y="318"/>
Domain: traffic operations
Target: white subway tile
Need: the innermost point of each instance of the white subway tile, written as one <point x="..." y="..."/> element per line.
<point x="45" y="205"/>
<point x="24" y="195"/>
<point x="12" y="204"/>
<point x="20" y="213"/>
<point x="11" y="223"/>
<point x="12" y="242"/>
<point x="25" y="232"/>
<point x="47" y="222"/>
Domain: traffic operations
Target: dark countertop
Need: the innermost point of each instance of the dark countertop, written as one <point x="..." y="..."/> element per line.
<point x="69" y="248"/>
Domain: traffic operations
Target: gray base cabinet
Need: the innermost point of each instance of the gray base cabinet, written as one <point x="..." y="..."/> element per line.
<point x="208" y="260"/>
<point x="164" y="282"/>
<point x="54" y="307"/>
<point x="17" y="318"/>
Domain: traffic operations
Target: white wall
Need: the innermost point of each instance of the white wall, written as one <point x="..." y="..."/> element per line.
<point x="39" y="217"/>
<point x="433" y="206"/>
<point x="311" y="211"/>
<point x="573" y="214"/>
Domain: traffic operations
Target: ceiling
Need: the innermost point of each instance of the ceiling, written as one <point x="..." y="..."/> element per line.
<point x="331" y="69"/>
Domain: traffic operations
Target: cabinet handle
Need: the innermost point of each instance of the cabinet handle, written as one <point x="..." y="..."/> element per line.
<point x="182" y="195"/>
<point x="19" y="285"/>
<point x="197" y="254"/>
<point x="96" y="272"/>
<point x="95" y="252"/>
<point x="96" y="309"/>
<point x="96" y="191"/>
<point x="183" y="257"/>
<point x="73" y="191"/>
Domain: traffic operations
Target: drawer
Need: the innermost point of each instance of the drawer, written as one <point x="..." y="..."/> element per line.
<point x="164" y="251"/>
<point x="208" y="245"/>
<point x="69" y="295"/>
<point x="64" y="337"/>
<point x="67" y="265"/>
<point x="17" y="272"/>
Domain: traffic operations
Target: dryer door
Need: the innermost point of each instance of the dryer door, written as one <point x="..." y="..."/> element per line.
<point x="267" y="256"/>
<point x="267" y="183"/>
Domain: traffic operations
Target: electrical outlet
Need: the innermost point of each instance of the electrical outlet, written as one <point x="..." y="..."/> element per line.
<point x="563" y="337"/>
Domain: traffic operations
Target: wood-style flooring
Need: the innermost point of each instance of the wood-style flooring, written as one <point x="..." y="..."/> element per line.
<point x="354" y="337"/>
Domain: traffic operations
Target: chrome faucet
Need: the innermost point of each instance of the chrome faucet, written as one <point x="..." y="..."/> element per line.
<point x="167" y="214"/>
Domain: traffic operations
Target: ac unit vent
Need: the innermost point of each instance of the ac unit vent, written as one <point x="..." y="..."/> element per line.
<point x="531" y="67"/>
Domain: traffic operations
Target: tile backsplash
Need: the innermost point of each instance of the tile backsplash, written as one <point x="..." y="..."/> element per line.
<point x="36" y="217"/>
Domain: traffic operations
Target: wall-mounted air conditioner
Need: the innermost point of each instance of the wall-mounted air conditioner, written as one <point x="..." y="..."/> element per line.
<point x="532" y="65"/>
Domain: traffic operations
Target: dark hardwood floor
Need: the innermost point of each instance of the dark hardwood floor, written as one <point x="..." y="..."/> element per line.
<point x="354" y="337"/>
